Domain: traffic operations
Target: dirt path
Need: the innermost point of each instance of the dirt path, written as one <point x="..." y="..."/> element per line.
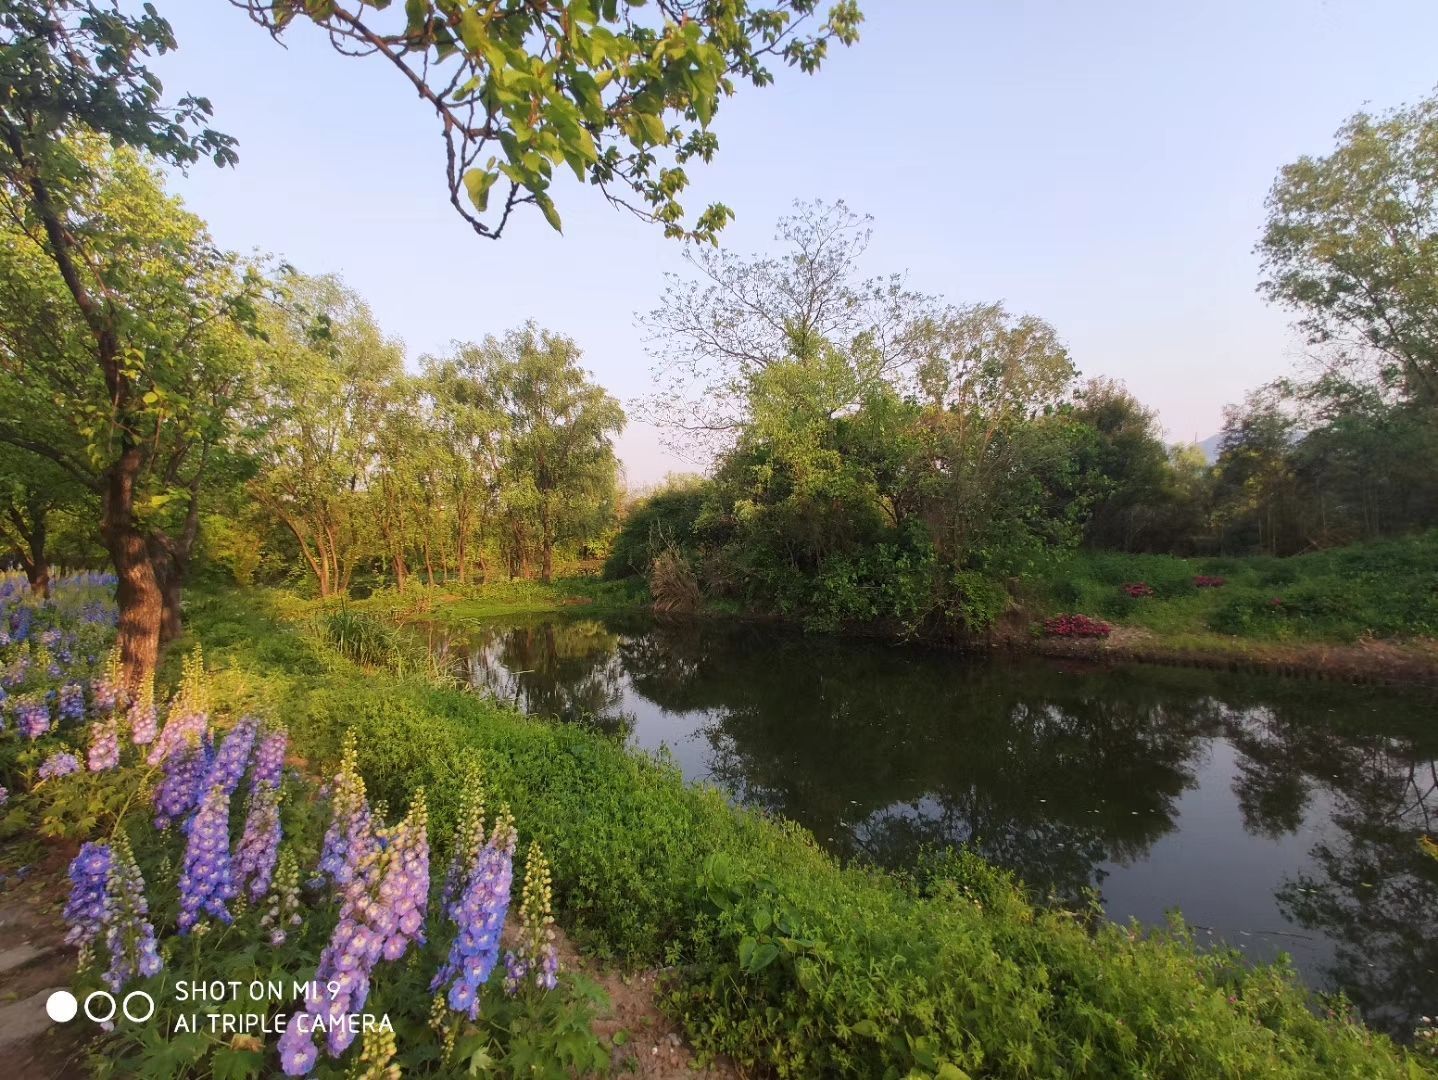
<point x="34" y="961"/>
<point x="653" y="1046"/>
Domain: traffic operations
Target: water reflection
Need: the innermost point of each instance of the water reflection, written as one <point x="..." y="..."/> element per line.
<point x="1277" y="814"/>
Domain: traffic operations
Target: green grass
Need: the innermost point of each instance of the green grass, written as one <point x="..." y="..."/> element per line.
<point x="1386" y="589"/>
<point x="453" y="604"/>
<point x="778" y="955"/>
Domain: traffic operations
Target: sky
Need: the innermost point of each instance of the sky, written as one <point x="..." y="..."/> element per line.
<point x="1102" y="165"/>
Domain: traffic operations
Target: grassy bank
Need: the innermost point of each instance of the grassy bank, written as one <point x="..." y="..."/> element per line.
<point x="455" y="604"/>
<point x="1368" y="611"/>
<point x="1381" y="590"/>
<point x="779" y="956"/>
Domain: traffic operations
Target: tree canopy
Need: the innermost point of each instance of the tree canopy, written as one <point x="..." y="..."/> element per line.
<point x="620" y="92"/>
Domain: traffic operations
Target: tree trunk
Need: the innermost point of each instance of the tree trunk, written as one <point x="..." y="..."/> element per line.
<point x="171" y="558"/>
<point x="30" y="546"/>
<point x="546" y="545"/>
<point x="38" y="575"/>
<point x="170" y="577"/>
<point x="137" y="594"/>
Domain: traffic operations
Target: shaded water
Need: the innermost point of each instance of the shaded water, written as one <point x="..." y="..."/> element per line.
<point x="1279" y="815"/>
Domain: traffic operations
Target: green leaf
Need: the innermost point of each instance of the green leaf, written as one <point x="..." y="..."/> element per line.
<point x="546" y="206"/>
<point x="763" y="956"/>
<point x="477" y="183"/>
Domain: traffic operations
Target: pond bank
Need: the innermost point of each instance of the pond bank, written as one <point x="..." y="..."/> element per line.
<point x="1370" y="660"/>
<point x="777" y="953"/>
<point x="1403" y="663"/>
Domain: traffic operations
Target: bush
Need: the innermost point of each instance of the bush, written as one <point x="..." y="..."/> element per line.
<point x="665" y="518"/>
<point x="1080" y="626"/>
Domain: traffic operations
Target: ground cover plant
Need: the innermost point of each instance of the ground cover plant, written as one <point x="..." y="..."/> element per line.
<point x="781" y="957"/>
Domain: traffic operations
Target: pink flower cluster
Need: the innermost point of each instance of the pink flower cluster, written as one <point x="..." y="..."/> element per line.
<point x="1076" y="626"/>
<point x="1203" y="581"/>
<point x="1138" y="589"/>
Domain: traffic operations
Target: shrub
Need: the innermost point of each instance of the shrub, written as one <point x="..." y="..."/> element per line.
<point x="1076" y="626"/>
<point x="672" y="583"/>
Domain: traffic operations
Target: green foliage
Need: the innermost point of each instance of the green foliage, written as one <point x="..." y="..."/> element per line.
<point x="1385" y="589"/>
<point x="669" y="515"/>
<point x="779" y="956"/>
<point x="620" y="93"/>
<point x="1351" y="244"/>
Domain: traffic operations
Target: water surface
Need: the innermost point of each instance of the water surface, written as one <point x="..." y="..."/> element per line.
<point x="1278" y="815"/>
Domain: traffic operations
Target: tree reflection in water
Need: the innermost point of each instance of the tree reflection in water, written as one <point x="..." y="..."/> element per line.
<point x="1058" y="773"/>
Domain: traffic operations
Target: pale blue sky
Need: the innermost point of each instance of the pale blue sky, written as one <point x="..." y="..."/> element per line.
<point x="1100" y="164"/>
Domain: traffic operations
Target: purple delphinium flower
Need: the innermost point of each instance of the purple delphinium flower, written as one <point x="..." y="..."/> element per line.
<point x="351" y="861"/>
<point x="206" y="884"/>
<point x="283" y="909"/>
<point x="15" y="672"/>
<point x="32" y="716"/>
<point x="129" y="934"/>
<point x="72" y="703"/>
<point x="478" y="914"/>
<point x="270" y="759"/>
<point x="142" y="720"/>
<point x="234" y="756"/>
<point x="85" y="909"/>
<point x="183" y="785"/>
<point x="104" y="744"/>
<point x="349" y="842"/>
<point x="259" y="844"/>
<point x="105" y="694"/>
<point x="404" y="883"/>
<point x="184" y="727"/>
<point x="60" y="763"/>
<point x="4" y="796"/>
<point x="535" y="953"/>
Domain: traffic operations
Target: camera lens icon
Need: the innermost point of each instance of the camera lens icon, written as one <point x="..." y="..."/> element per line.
<point x="100" y="1006"/>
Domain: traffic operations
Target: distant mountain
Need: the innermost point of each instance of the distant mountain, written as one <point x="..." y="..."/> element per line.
<point x="1210" y="447"/>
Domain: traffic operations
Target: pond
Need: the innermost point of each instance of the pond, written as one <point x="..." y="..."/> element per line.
<point x="1278" y="815"/>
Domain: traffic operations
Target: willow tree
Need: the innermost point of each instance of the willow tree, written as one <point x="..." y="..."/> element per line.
<point x="557" y="465"/>
<point x="328" y="372"/>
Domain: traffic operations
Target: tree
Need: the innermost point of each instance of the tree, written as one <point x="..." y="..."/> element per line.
<point x="33" y="490"/>
<point x="715" y="333"/>
<point x="619" y="91"/>
<point x="1130" y="462"/>
<point x="469" y="431"/>
<point x="1256" y="488"/>
<point x="559" y="471"/>
<point x="1351" y="244"/>
<point x="329" y="369"/>
<point x="71" y="67"/>
<point x="131" y="393"/>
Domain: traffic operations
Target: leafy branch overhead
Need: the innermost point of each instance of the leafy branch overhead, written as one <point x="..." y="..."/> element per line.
<point x="620" y="91"/>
